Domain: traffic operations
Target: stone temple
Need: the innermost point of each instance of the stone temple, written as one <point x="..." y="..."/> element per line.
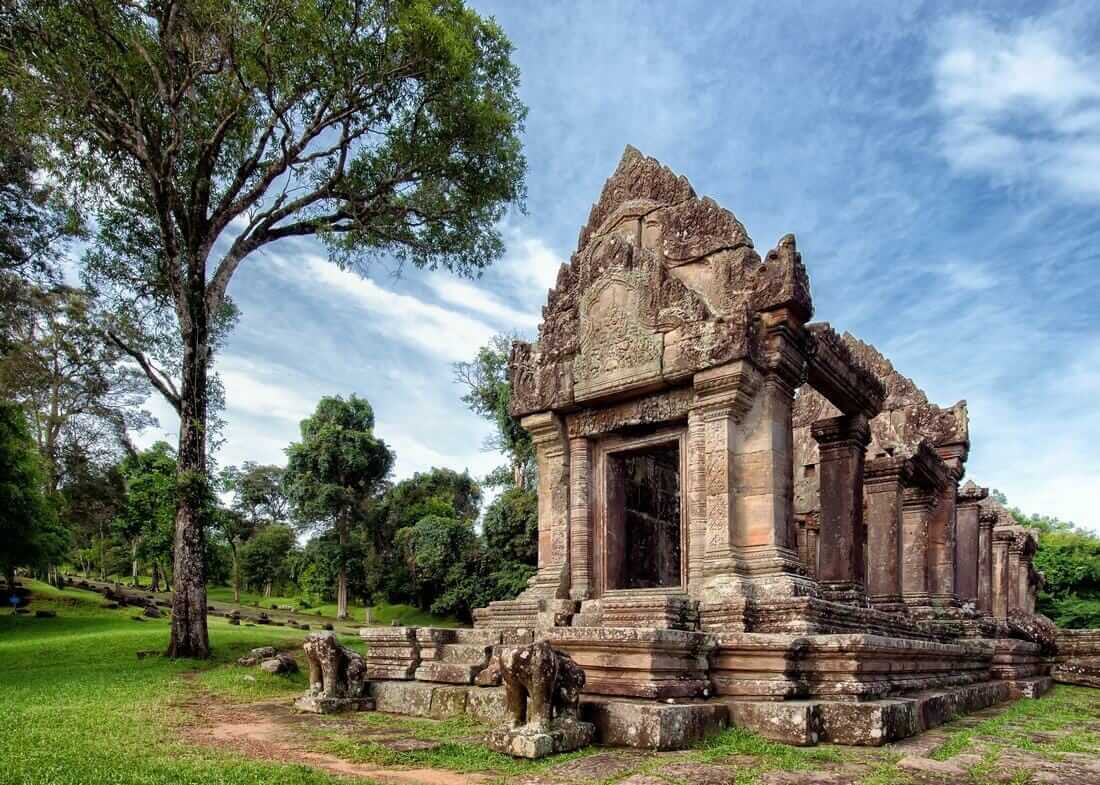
<point x="745" y="517"/>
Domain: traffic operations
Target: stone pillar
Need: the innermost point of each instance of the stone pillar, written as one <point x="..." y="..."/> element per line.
<point x="883" y="484"/>
<point x="696" y="499"/>
<point x="580" y="518"/>
<point x="986" y="519"/>
<point x="941" y="548"/>
<point x="809" y="529"/>
<point x="841" y="569"/>
<point x="552" y="458"/>
<point x="917" y="506"/>
<point x="967" y="550"/>
<point x="1002" y="541"/>
<point x="1017" y="575"/>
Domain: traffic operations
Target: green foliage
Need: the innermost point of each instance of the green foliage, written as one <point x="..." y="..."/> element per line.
<point x="259" y="492"/>
<point x="147" y="517"/>
<point x="30" y="533"/>
<point x="1069" y="558"/>
<point x="511" y="526"/>
<point x="266" y="558"/>
<point x="488" y="395"/>
<point x="443" y="556"/>
<point x="338" y="465"/>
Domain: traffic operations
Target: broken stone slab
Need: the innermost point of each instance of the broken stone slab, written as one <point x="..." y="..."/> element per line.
<point x="152" y="612"/>
<point x="1081" y="671"/>
<point x="319" y="704"/>
<point x="280" y="665"/>
<point x="562" y="734"/>
<point x="45" y="614"/>
<point x="624" y="722"/>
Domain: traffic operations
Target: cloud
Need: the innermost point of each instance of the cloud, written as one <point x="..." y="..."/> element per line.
<point x="425" y="326"/>
<point x="1019" y="103"/>
<point x="484" y="302"/>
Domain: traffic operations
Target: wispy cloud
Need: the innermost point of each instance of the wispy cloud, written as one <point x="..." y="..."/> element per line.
<point x="1020" y="102"/>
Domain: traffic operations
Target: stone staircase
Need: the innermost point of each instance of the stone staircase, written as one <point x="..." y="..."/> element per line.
<point x="454" y="656"/>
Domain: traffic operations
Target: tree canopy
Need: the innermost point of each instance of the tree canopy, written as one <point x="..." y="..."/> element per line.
<point x="335" y="471"/>
<point x="200" y="132"/>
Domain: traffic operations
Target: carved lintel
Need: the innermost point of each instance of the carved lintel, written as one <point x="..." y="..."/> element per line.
<point x="649" y="410"/>
<point x="841" y="377"/>
<point x="842" y="433"/>
<point x="729" y="387"/>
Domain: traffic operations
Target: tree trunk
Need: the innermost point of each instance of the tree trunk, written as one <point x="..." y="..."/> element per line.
<point x="156" y="577"/>
<point x="189" y="632"/>
<point x="10" y="575"/>
<point x="342" y="576"/>
<point x="236" y="573"/>
<point x="267" y="589"/>
<point x="133" y="563"/>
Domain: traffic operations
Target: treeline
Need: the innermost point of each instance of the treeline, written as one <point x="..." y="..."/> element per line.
<point x="329" y="526"/>
<point x="1069" y="558"/>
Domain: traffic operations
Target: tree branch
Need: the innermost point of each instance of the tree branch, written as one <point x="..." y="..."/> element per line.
<point x="156" y="377"/>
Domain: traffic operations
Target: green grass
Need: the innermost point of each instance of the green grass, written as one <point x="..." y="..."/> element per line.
<point x="1016" y="726"/>
<point x="77" y="707"/>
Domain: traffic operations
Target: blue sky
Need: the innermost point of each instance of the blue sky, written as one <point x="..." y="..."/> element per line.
<point x="941" y="169"/>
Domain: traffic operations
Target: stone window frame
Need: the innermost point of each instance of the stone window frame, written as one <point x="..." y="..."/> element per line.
<point x="606" y="447"/>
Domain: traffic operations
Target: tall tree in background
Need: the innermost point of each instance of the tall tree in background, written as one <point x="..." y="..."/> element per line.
<point x="206" y="130"/>
<point x="259" y="499"/>
<point x="79" y="394"/>
<point x="30" y="534"/>
<point x="145" y="520"/>
<point x="335" y="471"/>
<point x="488" y="394"/>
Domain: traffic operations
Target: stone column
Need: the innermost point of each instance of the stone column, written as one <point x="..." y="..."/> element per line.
<point x="1002" y="541"/>
<point x="883" y="483"/>
<point x="841" y="569"/>
<point x="696" y="500"/>
<point x="552" y="458"/>
<point x="580" y="518"/>
<point x="986" y="519"/>
<point x="809" y="529"/>
<point x="1016" y="587"/>
<point x="941" y="548"/>
<point x="967" y="549"/>
<point x="917" y="506"/>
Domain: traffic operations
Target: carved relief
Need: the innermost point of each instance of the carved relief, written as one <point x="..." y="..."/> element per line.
<point x="617" y="349"/>
<point x="663" y="285"/>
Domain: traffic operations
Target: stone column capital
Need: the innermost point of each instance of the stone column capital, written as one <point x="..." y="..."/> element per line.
<point x="547" y="430"/>
<point x="987" y="518"/>
<point x="916" y="499"/>
<point x="843" y="432"/>
<point x="726" y="391"/>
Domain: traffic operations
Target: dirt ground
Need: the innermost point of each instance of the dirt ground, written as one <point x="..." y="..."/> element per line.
<point x="388" y="749"/>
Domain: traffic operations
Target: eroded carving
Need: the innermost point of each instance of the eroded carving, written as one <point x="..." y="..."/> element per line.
<point x="542" y="693"/>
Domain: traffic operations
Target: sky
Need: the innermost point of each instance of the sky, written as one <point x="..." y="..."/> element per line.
<point x="939" y="164"/>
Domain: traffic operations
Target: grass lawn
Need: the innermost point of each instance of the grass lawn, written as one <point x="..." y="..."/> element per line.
<point x="384" y="613"/>
<point x="77" y="707"/>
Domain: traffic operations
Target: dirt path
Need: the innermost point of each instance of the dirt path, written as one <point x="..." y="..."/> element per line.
<point x="272" y="731"/>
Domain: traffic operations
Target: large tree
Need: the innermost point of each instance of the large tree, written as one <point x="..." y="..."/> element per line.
<point x="145" y="520"/>
<point x="335" y="472"/>
<point x="81" y="393"/>
<point x="204" y="131"/>
<point x="259" y="499"/>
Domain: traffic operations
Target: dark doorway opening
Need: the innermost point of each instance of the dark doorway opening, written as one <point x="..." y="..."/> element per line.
<point x="643" y="520"/>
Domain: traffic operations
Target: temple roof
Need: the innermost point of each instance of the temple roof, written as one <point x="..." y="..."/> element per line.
<point x="663" y="284"/>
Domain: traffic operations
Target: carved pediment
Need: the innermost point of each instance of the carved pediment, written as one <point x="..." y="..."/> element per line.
<point x="663" y="284"/>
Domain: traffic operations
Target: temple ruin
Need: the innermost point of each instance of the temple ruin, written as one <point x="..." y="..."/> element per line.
<point x="745" y="517"/>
